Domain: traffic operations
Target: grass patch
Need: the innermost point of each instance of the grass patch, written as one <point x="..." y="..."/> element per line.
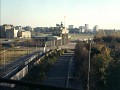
<point x="14" y="53"/>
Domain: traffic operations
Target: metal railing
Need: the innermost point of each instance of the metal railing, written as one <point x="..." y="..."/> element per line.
<point x="32" y="85"/>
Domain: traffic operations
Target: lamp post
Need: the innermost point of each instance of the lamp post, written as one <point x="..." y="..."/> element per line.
<point x="88" y="88"/>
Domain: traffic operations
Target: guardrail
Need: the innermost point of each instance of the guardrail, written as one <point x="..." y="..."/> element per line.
<point x="33" y="85"/>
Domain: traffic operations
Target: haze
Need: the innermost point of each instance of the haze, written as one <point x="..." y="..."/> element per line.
<point x="104" y="13"/>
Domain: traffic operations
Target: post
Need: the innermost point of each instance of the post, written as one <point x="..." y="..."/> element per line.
<point x="89" y="69"/>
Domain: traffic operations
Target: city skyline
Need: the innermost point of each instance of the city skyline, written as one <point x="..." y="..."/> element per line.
<point x="103" y="13"/>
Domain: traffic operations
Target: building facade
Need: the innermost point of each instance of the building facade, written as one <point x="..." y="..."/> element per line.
<point x="71" y="27"/>
<point x="95" y="29"/>
<point x="11" y="33"/>
<point x="86" y="28"/>
<point x="4" y="28"/>
<point x="24" y="34"/>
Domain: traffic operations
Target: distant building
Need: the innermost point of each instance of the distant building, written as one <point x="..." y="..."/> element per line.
<point x="4" y="28"/>
<point x="24" y="34"/>
<point x="11" y="33"/>
<point x="28" y="28"/>
<point x="111" y="32"/>
<point x="61" y="32"/>
<point x="42" y="29"/>
<point x="86" y="27"/>
<point x="18" y="27"/>
<point x="37" y="29"/>
<point x="81" y="29"/>
<point x="71" y="27"/>
<point x="59" y="37"/>
<point x="95" y="29"/>
<point x="50" y="41"/>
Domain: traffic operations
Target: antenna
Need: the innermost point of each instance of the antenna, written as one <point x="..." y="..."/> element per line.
<point x="64" y="21"/>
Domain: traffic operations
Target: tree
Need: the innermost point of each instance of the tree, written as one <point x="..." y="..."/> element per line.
<point x="81" y="62"/>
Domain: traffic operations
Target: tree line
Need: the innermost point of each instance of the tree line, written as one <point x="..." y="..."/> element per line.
<point x="104" y="60"/>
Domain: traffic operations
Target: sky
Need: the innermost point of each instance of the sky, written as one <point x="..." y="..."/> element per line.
<point x="41" y="13"/>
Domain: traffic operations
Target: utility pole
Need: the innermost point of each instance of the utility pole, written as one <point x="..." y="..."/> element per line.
<point x="89" y="69"/>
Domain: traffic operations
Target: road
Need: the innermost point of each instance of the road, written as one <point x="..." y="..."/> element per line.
<point x="58" y="75"/>
<point x="14" y="64"/>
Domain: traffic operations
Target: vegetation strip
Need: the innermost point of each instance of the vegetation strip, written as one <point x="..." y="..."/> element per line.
<point x="104" y="63"/>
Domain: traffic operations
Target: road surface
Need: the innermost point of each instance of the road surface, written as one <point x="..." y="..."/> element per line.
<point x="57" y="75"/>
<point x="14" y="64"/>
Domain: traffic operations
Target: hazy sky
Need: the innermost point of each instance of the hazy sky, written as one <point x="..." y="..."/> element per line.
<point x="104" y="13"/>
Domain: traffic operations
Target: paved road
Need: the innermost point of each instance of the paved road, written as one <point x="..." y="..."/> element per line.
<point x="57" y="75"/>
<point x="14" y="64"/>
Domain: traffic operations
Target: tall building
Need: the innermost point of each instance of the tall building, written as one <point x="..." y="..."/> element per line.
<point x="86" y="27"/>
<point x="95" y="29"/>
